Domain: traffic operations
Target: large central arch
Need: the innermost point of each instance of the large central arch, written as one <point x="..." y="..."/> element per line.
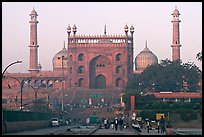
<point x="100" y="82"/>
<point x="99" y="72"/>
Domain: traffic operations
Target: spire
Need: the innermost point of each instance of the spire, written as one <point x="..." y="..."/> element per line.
<point x="105" y="30"/>
<point x="176" y="7"/>
<point x="145" y="44"/>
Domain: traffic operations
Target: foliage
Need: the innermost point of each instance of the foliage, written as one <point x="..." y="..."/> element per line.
<point x="199" y="56"/>
<point x="148" y="114"/>
<point x="193" y="116"/>
<point x="184" y="117"/>
<point x="189" y="116"/>
<point x="140" y="100"/>
<point x="166" y="76"/>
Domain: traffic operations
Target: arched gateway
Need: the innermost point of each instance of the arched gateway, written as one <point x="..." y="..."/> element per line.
<point x="100" y="72"/>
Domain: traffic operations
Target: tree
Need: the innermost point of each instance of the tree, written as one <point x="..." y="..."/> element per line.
<point x="141" y="100"/>
<point x="166" y="76"/>
<point x="199" y="56"/>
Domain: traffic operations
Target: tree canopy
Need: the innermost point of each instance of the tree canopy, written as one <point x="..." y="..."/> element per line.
<point x="167" y="76"/>
<point x="199" y="56"/>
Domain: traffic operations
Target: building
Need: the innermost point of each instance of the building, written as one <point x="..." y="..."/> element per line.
<point x="85" y="66"/>
<point x="88" y="70"/>
<point x="177" y="96"/>
<point x="99" y="62"/>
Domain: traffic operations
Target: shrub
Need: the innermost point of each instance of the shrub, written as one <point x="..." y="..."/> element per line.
<point x="184" y="116"/>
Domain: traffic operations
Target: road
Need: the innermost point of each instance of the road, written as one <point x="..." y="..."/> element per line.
<point x="44" y="131"/>
<point x="91" y="130"/>
<point x="110" y="131"/>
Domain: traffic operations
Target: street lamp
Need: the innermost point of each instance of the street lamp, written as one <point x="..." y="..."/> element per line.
<point x="18" y="61"/>
<point x="17" y="81"/>
<point x="35" y="90"/>
<point x="63" y="58"/>
<point x="22" y="83"/>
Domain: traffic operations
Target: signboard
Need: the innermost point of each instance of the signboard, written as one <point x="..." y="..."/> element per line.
<point x="158" y="116"/>
<point x="84" y="101"/>
<point x="96" y="95"/>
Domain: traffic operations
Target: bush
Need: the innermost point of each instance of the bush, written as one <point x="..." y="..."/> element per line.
<point x="184" y="116"/>
<point x="193" y="116"/>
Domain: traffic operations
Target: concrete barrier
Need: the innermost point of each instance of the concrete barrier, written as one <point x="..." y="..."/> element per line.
<point x="19" y="126"/>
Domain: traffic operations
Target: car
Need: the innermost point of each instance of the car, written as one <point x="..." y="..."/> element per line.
<point x="55" y="122"/>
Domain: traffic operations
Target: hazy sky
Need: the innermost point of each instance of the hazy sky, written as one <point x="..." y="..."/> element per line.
<point x="151" y="20"/>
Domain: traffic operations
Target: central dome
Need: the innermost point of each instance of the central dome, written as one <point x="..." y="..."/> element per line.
<point x="144" y="59"/>
<point x="57" y="60"/>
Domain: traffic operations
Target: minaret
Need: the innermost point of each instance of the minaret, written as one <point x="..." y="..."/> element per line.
<point x="33" y="66"/>
<point x="176" y="37"/>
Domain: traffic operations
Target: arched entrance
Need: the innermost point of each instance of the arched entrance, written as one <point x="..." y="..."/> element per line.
<point x="100" y="82"/>
<point x="100" y="72"/>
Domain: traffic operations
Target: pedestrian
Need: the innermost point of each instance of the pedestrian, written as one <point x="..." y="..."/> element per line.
<point x="70" y="121"/>
<point x="148" y="126"/>
<point x="108" y="123"/>
<point x="105" y="123"/>
<point x="112" y="123"/>
<point x="120" y="123"/>
<point x="158" y="126"/>
<point x="67" y="121"/>
<point x="162" y="123"/>
<point x="116" y="123"/>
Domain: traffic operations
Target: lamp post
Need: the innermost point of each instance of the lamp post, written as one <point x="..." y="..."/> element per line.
<point x="18" y="61"/>
<point x="62" y="58"/>
<point x="35" y="90"/>
<point x="17" y="81"/>
<point x="22" y="83"/>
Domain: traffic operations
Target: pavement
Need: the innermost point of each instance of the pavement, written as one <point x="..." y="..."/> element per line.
<point x="151" y="132"/>
<point x="110" y="131"/>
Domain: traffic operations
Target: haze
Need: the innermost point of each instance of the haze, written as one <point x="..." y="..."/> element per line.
<point x="151" y="20"/>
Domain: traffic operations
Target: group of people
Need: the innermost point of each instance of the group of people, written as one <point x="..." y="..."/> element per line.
<point x="160" y="125"/>
<point x="114" y="123"/>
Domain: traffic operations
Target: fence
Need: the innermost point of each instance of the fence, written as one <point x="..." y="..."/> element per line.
<point x="12" y="116"/>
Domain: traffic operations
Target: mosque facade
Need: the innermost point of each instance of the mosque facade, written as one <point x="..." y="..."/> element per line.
<point x="96" y="65"/>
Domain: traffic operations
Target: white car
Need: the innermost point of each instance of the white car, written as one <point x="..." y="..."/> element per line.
<point x="55" y="122"/>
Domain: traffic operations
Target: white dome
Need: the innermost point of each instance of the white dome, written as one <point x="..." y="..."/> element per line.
<point x="57" y="60"/>
<point x="144" y="59"/>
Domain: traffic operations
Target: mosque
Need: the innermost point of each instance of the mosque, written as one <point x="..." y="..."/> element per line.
<point x="89" y="69"/>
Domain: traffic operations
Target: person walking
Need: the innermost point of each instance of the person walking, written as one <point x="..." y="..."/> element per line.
<point x="120" y="122"/>
<point x="148" y="126"/>
<point x="158" y="126"/>
<point x="162" y="123"/>
<point x="116" y="123"/>
<point x="105" y="123"/>
<point x="112" y="123"/>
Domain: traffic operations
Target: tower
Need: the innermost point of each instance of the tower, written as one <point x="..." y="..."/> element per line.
<point x="176" y="37"/>
<point x="33" y="64"/>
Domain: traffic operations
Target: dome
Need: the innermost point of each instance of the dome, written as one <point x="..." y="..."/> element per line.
<point x="57" y="59"/>
<point x="145" y="58"/>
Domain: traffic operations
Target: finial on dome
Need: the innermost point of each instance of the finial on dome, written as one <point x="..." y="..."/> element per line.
<point x="145" y="44"/>
<point x="105" y="30"/>
<point x="176" y="7"/>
